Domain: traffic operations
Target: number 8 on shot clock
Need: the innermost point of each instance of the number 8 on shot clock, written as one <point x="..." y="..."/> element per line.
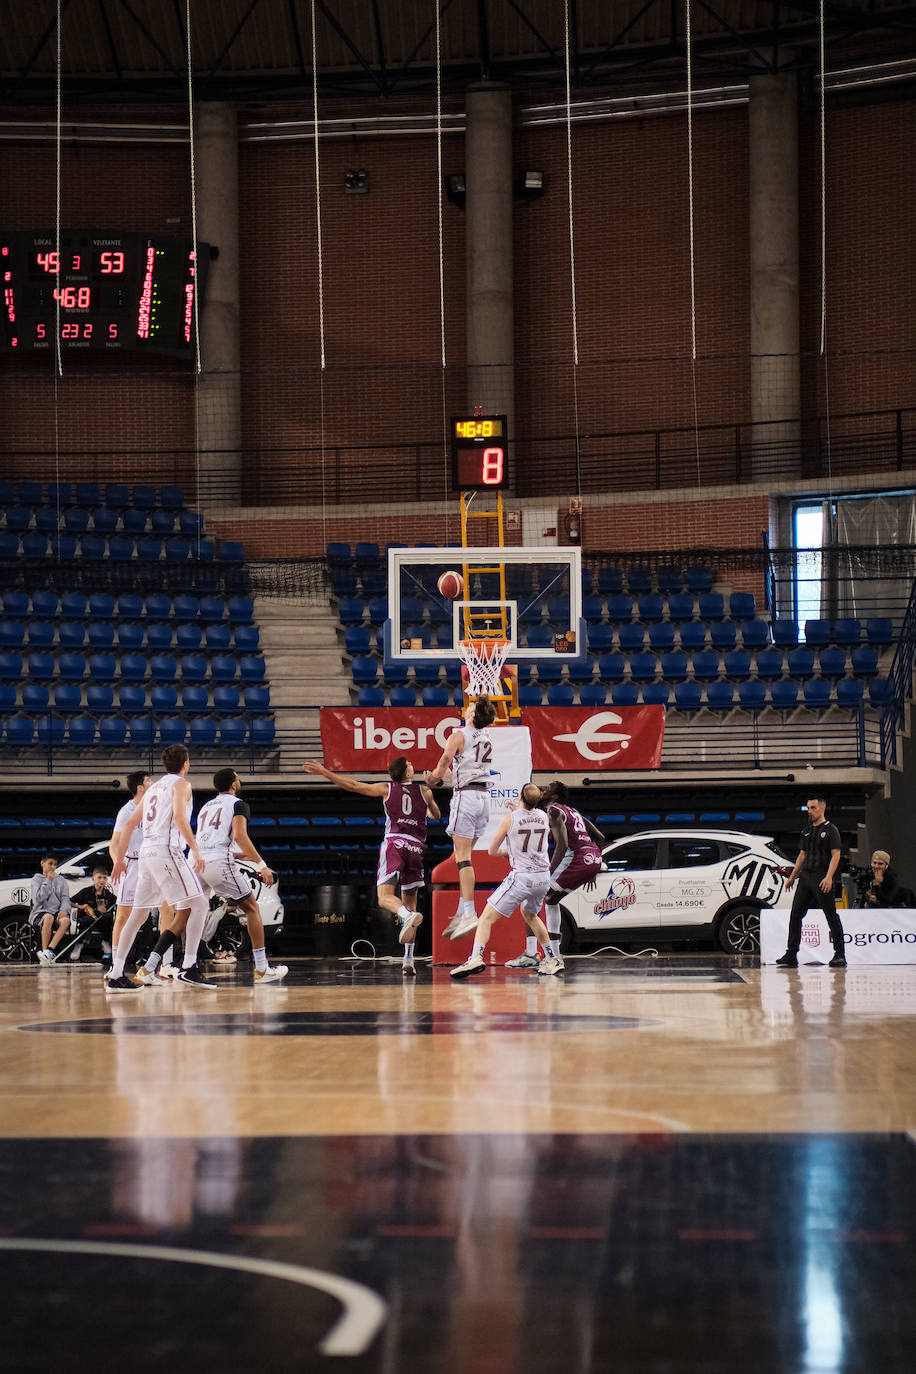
<point x="480" y="452"/>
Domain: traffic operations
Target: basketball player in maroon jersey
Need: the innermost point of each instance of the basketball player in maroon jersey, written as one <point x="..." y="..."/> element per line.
<point x="575" y="862"/>
<point x="406" y="804"/>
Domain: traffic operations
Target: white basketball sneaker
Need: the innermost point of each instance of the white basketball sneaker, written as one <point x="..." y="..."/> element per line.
<point x="463" y="926"/>
<point x="469" y="968"/>
<point x="409" y="926"/>
<point x="524" y="961"/>
<point x="550" y="964"/>
<point x="270" y="975"/>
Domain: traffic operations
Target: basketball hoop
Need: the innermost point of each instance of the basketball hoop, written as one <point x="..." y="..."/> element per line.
<point x="484" y="660"/>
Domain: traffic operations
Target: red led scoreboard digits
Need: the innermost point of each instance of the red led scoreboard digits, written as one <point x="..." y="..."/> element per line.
<point x="104" y="290"/>
<point x="479" y="452"/>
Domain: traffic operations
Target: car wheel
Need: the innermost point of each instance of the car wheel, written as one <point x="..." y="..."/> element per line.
<point x="17" y="938"/>
<point x="738" y="931"/>
<point x="569" y="933"/>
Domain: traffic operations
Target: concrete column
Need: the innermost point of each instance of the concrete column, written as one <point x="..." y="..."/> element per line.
<point x="219" y="434"/>
<point x="488" y="208"/>
<point x="773" y="192"/>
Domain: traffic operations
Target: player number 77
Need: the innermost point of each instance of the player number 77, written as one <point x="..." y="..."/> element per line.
<point x="526" y="836"/>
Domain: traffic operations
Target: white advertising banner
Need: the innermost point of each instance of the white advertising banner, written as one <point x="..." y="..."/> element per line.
<point x="510" y="769"/>
<point x="873" y="936"/>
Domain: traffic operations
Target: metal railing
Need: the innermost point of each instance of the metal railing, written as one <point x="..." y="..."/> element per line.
<point x="900" y="675"/>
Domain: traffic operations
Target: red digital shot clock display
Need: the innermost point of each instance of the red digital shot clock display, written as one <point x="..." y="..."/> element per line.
<point x="479" y="452"/>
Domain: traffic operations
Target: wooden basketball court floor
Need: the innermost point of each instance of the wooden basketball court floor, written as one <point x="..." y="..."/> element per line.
<point x="683" y="1165"/>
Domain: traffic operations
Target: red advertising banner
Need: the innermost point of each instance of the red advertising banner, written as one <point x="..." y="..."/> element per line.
<point x="574" y="739"/>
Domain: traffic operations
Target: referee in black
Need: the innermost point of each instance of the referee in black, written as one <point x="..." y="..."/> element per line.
<point x="817" y="862"/>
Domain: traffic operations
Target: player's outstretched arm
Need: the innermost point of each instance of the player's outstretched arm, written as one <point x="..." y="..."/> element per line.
<point x="594" y="833"/>
<point x="453" y="746"/>
<point x="365" y="789"/>
<point x="432" y="811"/>
<point x="502" y="831"/>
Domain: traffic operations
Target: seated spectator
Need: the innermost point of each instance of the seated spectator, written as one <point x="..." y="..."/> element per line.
<point x="884" y="888"/>
<point x="93" y="902"/>
<point x="51" y="908"/>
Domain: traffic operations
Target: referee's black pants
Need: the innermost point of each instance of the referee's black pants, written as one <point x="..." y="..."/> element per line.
<point x="807" y="895"/>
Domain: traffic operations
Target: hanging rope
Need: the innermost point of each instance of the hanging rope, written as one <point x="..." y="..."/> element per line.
<point x="57" y="356"/>
<point x="323" y="354"/>
<point x="690" y="221"/>
<point x="823" y="132"/>
<point x="193" y="180"/>
<point x="572" y="246"/>
<point x="445" y="434"/>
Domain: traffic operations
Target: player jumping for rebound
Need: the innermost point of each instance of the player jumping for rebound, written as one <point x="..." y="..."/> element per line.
<point x="524" y="830"/>
<point x="469" y="753"/>
<point x="575" y="863"/>
<point x="407" y="804"/>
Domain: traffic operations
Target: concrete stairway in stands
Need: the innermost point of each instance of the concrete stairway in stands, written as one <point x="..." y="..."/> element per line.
<point x="302" y="650"/>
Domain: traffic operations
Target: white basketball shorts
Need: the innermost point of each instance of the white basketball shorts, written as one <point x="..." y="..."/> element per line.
<point x="526" y="890"/>
<point x="165" y="876"/>
<point x="127" y="883"/>
<point x="469" y="813"/>
<point x="224" y="877"/>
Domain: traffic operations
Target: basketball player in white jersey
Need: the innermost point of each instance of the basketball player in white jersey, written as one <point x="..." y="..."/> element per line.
<point x="407" y="804"/>
<point x="164" y="874"/>
<point x="469" y="753"/>
<point x="222" y="834"/>
<point x="525" y="830"/>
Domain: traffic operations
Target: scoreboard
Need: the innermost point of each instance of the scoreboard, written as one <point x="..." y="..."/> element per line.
<point x="479" y="451"/>
<point x="104" y="290"/>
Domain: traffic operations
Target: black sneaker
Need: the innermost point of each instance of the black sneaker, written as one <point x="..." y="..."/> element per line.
<point x="787" y="961"/>
<point x="194" y="976"/>
<point x="122" y="984"/>
<point x="838" y="961"/>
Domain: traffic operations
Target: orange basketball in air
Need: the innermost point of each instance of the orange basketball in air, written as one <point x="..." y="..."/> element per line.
<point x="451" y="584"/>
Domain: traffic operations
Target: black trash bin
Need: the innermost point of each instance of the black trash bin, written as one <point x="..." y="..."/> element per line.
<point x="334" y="911"/>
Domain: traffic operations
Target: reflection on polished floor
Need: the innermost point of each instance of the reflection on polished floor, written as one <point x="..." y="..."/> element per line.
<point x="650" y="1166"/>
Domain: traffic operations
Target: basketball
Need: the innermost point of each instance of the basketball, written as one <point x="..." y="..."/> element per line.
<point x="451" y="584"/>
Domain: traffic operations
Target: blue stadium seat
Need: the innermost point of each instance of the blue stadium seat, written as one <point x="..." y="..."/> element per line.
<point x="880" y="630"/>
<point x="755" y="634"/>
<point x="587" y="581"/>
<point x="133" y="667"/>
<point x="631" y="637"/>
<point x="92" y="547"/>
<point x="558" y="612"/>
<point x="131" y="697"/>
<point x="7" y="697"/>
<point x="592" y="608"/>
<point x="225" y="698"/>
<point x="817" y="633"/>
<point x="639" y="580"/>
<point x="7" y="492"/>
<point x="619" y="608"/>
<point x="134" y="522"/>
<point x="742" y="606"/>
<point x="402" y="696"/>
<point x="10" y="667"/>
<point x="378" y="609"/>
<point x="864" y="660"/>
<point x="610" y="581"/>
<point x="76" y="520"/>
<point x="59" y="493"/>
<point x="263" y="732"/>
<point x="445" y="636"/>
<point x="67" y="696"/>
<point x="158" y="635"/>
<point x="656" y="694"/>
<point x="19" y="731"/>
<point x="674" y="666"/>
<point x="650" y="606"/>
<point x="371" y="696"/>
<point x="101" y="606"/>
<point x="50" y="730"/>
<point x="99" y="698"/>
<point x="101" y="634"/>
<point x="592" y="694"/>
<point x="357" y="639"/>
<point x="364" y="670"/>
<point x="257" y="698"/>
<point x="784" y="694"/>
<point x="81" y="731"/>
<point x="247" y="638"/>
<point x="350" y="611"/>
<point x="203" y="732"/>
<point x="611" y="667"/>
<point x="40" y="666"/>
<point x="705" y="665"/>
<point x="600" y="638"/>
<point x="46" y="519"/>
<point x="219" y="637"/>
<point x="30" y="493"/>
<point x="624" y="694"/>
<point x="530" y="694"/>
<point x="189" y="637"/>
<point x="711" y="605"/>
<point x="149" y="550"/>
<point x="191" y="525"/>
<point x="769" y="663"/>
<point x="194" y="698"/>
<point x="231" y="551"/>
<point x="130" y="635"/>
<point x="12" y="634"/>
<point x="801" y="662"/>
<point x="723" y="634"/>
<point x="193" y="668"/>
<point x="163" y="698"/>
<point x="112" y="732"/>
<point x="847" y="630"/>
<point x="162" y="522"/>
<point x="737" y="664"/>
<point x="693" y="634"/>
<point x="117" y="496"/>
<point x="102" y="667"/>
<point x="185" y="607"/>
<point x="205" y="550"/>
<point x="163" y="667"/>
<point x="661" y="636"/>
<point x="158" y="606"/>
<point x="643" y="667"/>
<point x="879" y="691"/>
<point x="35" y="544"/>
<point x="71" y="667"/>
<point x="785" y="634"/>
<point x="18" y="518"/>
<point x="63" y="546"/>
<point x="232" y="732"/>
<point x="251" y="668"/>
<point x="752" y="694"/>
<point x="816" y="691"/>
<point x="223" y="668"/>
<point x="144" y="498"/>
<point x="173" y="730"/>
<point x="698" y="579"/>
<point x="177" y="550"/>
<point x="16" y="605"/>
<point x="104" y="521"/>
<point x="87" y="494"/>
<point x="550" y="670"/>
<point x="171" y="497"/>
<point x="435" y="696"/>
<point x="120" y="548"/>
<point x="211" y="609"/>
<point x="681" y="605"/>
<point x="142" y="730"/>
<point x="9" y="545"/>
<point x="832" y="662"/>
<point x="426" y="673"/>
<point x="720" y="696"/>
<point x="849" y="692"/>
<point x="366" y="552"/>
<point x="670" y="580"/>
<point x="337" y="552"/>
<point x="688" y="696"/>
<point x="35" y="696"/>
<point x="539" y="636"/>
<point x="560" y="694"/>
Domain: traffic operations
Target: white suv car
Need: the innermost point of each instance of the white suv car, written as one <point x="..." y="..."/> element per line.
<point x="17" y="939"/>
<point x="681" y="884"/>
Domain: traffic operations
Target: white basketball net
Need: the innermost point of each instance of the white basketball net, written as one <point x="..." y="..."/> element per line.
<point x="484" y="659"/>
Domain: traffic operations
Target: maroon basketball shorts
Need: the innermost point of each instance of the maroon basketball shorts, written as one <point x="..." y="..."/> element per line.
<point x="400" y="860"/>
<point x="575" y="869"/>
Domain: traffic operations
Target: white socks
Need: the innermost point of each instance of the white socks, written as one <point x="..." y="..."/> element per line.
<point x="260" y="959"/>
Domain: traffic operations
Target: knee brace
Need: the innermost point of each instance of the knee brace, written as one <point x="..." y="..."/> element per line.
<point x="464" y="863"/>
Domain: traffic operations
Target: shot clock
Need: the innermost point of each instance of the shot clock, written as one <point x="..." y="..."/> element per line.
<point x="108" y="291"/>
<point x="479" y="452"/>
